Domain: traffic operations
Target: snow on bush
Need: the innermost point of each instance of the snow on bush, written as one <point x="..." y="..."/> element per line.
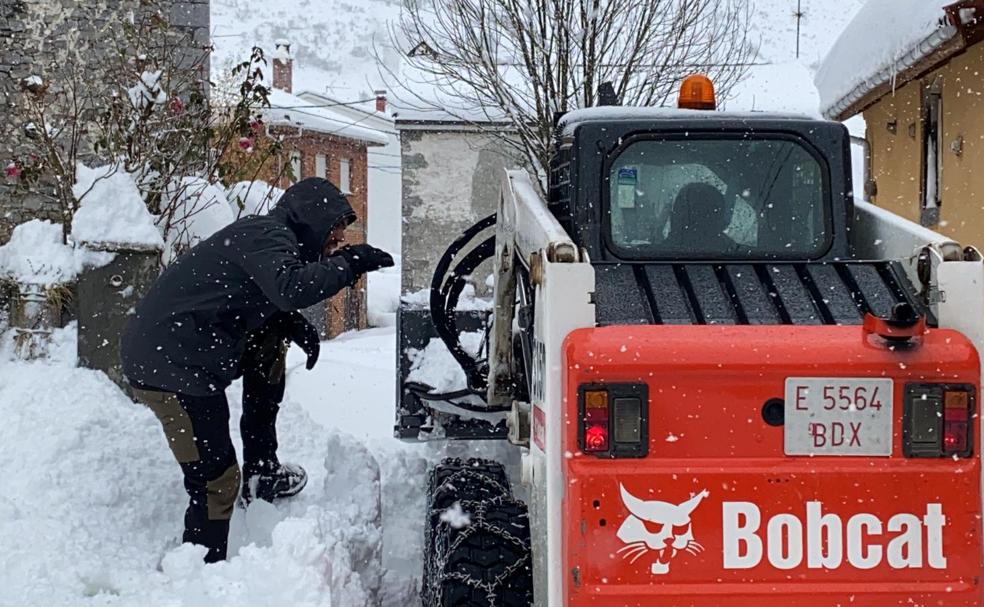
<point x="36" y="254"/>
<point x="201" y="210"/>
<point x="147" y="91"/>
<point x="253" y="198"/>
<point x="113" y="213"/>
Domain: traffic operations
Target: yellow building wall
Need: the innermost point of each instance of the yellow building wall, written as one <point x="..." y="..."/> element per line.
<point x="897" y="159"/>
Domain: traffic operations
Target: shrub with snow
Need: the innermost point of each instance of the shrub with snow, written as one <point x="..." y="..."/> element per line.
<point x="113" y="214"/>
<point x="253" y="198"/>
<point x="201" y="209"/>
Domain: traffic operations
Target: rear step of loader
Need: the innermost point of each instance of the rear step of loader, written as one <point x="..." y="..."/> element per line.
<point x="477" y="543"/>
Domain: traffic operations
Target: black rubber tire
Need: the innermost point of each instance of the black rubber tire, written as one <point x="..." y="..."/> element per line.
<point x="487" y="562"/>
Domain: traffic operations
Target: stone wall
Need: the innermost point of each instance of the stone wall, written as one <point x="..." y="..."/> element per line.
<point x="44" y="37"/>
<point x="451" y="179"/>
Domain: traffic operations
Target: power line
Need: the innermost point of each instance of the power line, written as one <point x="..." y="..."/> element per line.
<point x="320" y="105"/>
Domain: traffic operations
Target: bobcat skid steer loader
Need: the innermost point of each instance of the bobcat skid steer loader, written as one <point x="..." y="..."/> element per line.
<point x="731" y="384"/>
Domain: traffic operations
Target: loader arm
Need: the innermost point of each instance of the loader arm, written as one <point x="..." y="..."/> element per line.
<point x="525" y="231"/>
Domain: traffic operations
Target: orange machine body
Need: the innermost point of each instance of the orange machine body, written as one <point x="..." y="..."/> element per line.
<point x="752" y="526"/>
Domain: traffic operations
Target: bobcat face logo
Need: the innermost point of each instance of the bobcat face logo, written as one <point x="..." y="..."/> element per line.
<point x="658" y="527"/>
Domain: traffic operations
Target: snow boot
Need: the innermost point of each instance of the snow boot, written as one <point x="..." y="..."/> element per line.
<point x="270" y="483"/>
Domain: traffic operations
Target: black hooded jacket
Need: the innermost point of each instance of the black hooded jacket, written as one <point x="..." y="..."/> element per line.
<point x="189" y="333"/>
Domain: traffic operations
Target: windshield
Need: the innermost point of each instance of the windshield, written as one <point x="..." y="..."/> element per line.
<point x="717" y="199"/>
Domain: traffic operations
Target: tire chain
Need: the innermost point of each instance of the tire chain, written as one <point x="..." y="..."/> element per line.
<point x="477" y="510"/>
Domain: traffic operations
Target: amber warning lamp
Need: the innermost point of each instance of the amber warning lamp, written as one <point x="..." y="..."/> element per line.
<point x="697" y="93"/>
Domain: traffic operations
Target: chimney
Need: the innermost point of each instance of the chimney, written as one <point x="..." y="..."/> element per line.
<point x="381" y="101"/>
<point x="283" y="67"/>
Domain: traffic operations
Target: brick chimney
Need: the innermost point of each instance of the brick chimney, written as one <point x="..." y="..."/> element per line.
<point x="283" y="67"/>
<point x="381" y="101"/>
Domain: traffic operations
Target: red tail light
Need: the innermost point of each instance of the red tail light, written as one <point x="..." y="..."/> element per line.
<point x="956" y="422"/>
<point x="937" y="421"/>
<point x="595" y="421"/>
<point x="614" y="420"/>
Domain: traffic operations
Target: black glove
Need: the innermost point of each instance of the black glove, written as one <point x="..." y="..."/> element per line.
<point x="303" y="333"/>
<point x="363" y="258"/>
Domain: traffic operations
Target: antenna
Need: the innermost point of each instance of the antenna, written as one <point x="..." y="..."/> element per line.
<point x="799" y="14"/>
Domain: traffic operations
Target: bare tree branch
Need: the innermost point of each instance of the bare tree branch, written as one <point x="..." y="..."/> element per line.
<point x="520" y="61"/>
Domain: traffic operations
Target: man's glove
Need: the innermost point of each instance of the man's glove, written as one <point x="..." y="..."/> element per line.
<point x="303" y="333"/>
<point x="363" y="258"/>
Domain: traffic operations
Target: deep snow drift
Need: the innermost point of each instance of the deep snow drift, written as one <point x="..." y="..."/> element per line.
<point x="92" y="505"/>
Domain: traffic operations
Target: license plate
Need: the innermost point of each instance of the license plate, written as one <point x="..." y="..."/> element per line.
<point x="838" y="416"/>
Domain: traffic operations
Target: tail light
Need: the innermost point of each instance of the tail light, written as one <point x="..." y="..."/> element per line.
<point x="956" y="422"/>
<point x="937" y="420"/>
<point x="614" y="420"/>
<point x="596" y="421"/>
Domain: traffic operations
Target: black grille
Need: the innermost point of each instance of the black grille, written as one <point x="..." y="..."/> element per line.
<point x="750" y="293"/>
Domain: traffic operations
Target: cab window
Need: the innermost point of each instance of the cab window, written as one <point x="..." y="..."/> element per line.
<point x="717" y="199"/>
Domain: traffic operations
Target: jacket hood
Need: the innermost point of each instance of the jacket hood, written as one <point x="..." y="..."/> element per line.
<point x="311" y="209"/>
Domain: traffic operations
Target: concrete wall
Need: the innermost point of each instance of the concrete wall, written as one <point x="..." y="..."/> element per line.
<point x="897" y="158"/>
<point x="450" y="180"/>
<point x="39" y="37"/>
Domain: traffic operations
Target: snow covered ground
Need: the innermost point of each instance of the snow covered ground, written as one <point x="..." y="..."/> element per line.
<point x="92" y="504"/>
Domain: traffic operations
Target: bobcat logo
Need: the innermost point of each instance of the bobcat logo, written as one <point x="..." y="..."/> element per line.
<point x="658" y="526"/>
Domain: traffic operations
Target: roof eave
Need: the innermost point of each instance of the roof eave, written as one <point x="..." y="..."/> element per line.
<point x="356" y="138"/>
<point x="942" y="44"/>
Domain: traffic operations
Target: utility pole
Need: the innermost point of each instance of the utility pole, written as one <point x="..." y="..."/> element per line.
<point x="799" y="14"/>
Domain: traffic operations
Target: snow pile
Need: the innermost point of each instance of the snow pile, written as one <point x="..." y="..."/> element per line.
<point x="36" y="254"/>
<point x="113" y="213"/>
<point x="467" y="302"/>
<point x="252" y="198"/>
<point x="384" y="295"/>
<point x="907" y="30"/>
<point x="202" y="209"/>
<point x="435" y="367"/>
<point x="92" y="505"/>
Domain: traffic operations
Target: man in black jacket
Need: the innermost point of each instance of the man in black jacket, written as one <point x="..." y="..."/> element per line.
<point x="229" y="308"/>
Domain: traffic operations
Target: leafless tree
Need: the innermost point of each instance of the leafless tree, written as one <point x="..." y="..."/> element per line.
<point x="521" y="61"/>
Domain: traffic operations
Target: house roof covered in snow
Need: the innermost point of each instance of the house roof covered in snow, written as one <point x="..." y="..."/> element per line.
<point x="289" y="110"/>
<point x="889" y="43"/>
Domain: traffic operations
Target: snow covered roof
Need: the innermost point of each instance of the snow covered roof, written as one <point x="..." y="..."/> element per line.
<point x="776" y="87"/>
<point x="289" y="110"/>
<point x="623" y="113"/>
<point x="886" y="38"/>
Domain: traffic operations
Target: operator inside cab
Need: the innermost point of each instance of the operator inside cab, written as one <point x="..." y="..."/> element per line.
<point x="716" y="195"/>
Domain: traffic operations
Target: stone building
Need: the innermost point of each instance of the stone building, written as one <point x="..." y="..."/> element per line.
<point x="452" y="172"/>
<point x="321" y="142"/>
<point x="922" y="109"/>
<point x="45" y="38"/>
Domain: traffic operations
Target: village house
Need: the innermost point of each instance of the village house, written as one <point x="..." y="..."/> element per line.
<point x="384" y="162"/>
<point x="920" y="89"/>
<point x="321" y="142"/>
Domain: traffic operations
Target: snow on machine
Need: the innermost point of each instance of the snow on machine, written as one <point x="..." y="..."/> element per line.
<point x="731" y="384"/>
